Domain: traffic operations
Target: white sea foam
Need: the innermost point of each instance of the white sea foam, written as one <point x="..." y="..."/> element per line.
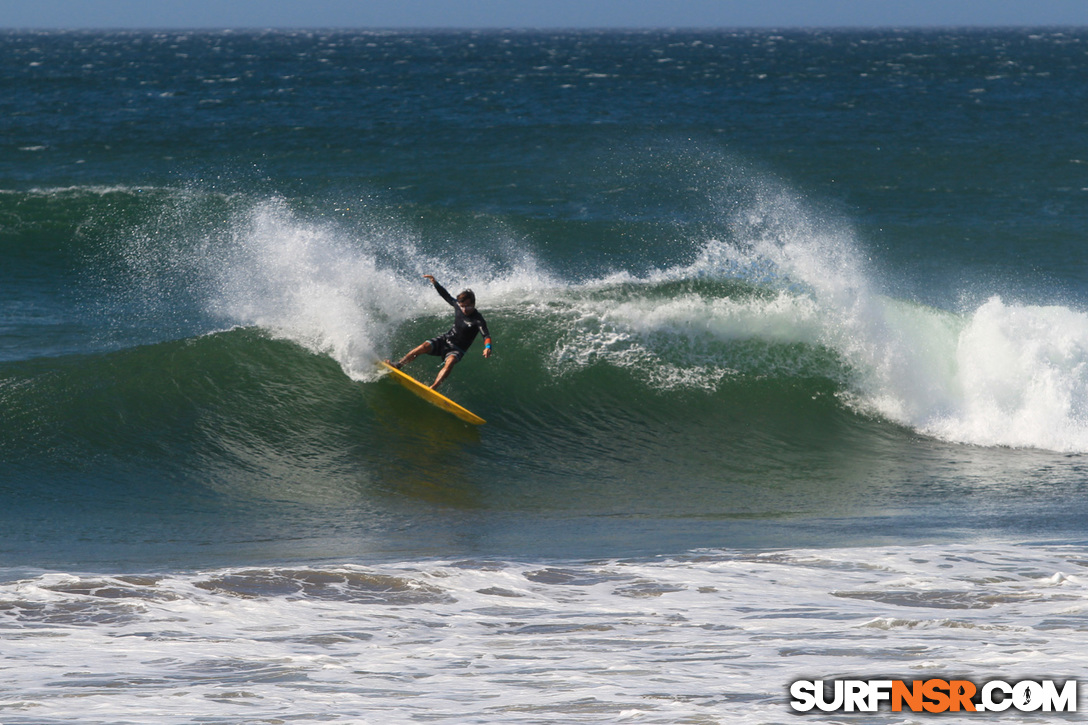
<point x="714" y="636"/>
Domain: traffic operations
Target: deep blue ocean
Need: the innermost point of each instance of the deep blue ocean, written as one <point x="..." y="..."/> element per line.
<point x="790" y="373"/>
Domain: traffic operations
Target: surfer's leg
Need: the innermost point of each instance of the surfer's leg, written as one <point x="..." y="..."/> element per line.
<point x="444" y="373"/>
<point x="413" y="354"/>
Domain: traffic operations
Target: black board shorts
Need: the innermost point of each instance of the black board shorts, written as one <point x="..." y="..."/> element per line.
<point x="443" y="348"/>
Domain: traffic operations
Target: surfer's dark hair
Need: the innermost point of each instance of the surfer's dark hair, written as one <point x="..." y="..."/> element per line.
<point x="467" y="296"/>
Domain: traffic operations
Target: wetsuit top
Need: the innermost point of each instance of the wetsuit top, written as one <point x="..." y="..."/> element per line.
<point x="465" y="327"/>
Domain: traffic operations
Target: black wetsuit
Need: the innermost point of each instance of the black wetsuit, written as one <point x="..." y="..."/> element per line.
<point x="464" y="330"/>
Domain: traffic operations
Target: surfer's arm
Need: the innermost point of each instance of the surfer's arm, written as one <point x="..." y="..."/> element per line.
<point x="441" y="290"/>
<point x="487" y="337"/>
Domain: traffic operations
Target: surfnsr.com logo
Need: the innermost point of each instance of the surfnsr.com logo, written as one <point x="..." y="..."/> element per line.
<point x="933" y="695"/>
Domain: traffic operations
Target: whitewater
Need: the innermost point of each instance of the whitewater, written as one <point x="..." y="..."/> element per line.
<point x="713" y="636"/>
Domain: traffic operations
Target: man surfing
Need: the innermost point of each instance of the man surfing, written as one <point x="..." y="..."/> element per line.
<point x="467" y="324"/>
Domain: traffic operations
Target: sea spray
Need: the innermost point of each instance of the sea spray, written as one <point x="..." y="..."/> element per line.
<point x="308" y="283"/>
<point x="336" y="288"/>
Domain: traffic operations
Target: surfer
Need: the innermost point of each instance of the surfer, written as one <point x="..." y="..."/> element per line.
<point x="467" y="323"/>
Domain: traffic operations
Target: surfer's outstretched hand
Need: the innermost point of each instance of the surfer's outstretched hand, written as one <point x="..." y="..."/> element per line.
<point x="430" y="277"/>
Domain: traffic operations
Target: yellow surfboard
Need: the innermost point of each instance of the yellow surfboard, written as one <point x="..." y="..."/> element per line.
<point x="431" y="396"/>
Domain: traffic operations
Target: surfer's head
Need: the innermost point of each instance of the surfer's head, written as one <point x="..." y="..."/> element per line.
<point x="467" y="300"/>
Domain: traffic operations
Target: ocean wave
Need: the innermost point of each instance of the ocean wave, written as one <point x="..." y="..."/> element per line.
<point x="782" y="294"/>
